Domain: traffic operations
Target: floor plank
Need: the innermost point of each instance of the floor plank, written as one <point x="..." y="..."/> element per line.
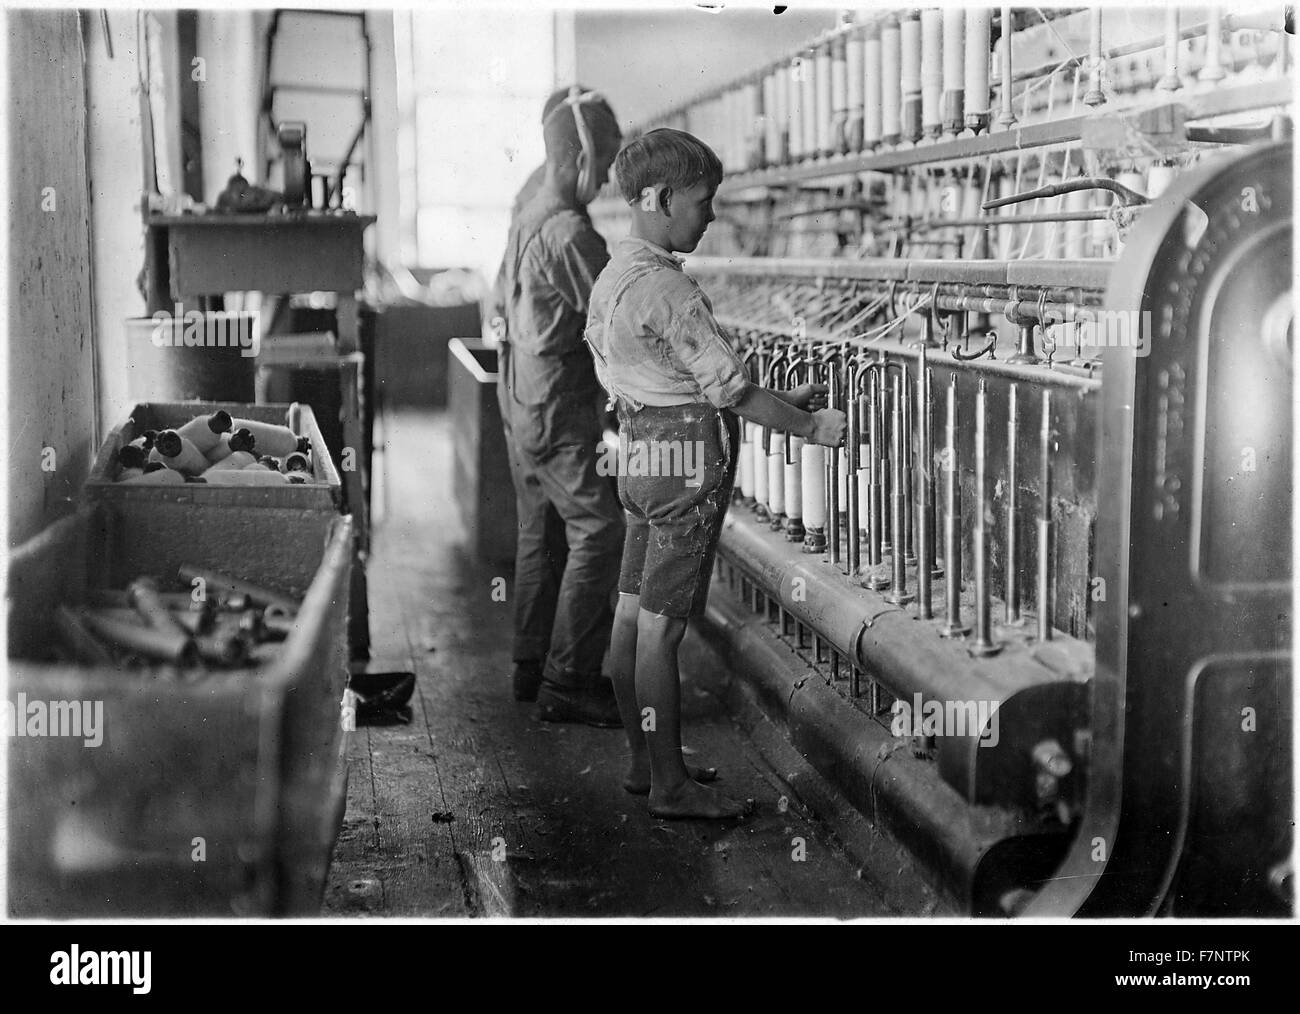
<point x="478" y="809"/>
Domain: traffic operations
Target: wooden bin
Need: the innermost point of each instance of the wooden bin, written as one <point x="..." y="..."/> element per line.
<point x="485" y="492"/>
<point x="245" y="766"/>
<point x="326" y="494"/>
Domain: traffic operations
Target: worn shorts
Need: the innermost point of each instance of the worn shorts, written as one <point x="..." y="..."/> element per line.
<point x="675" y="474"/>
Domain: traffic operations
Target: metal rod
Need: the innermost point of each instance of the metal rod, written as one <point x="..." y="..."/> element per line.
<point x="1013" y="504"/>
<point x="909" y="491"/>
<point x="952" y="520"/>
<point x="833" y="469"/>
<point x="898" y="593"/>
<point x="984" y="643"/>
<point x="1045" y="523"/>
<point x="875" y="500"/>
<point x="853" y="558"/>
<point x="924" y="492"/>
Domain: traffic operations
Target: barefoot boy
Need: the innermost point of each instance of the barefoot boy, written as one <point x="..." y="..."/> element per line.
<point x="679" y="387"/>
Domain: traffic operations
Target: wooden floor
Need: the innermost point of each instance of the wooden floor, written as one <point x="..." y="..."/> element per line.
<point x="476" y="808"/>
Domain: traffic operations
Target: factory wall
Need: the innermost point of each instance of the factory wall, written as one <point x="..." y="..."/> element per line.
<point x="51" y="351"/>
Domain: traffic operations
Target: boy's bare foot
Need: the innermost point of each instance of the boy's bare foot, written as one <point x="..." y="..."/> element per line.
<point x="637" y="781"/>
<point x="693" y="800"/>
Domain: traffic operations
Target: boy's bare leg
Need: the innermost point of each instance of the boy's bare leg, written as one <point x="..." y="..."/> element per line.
<point x="622" y="670"/>
<point x="673" y="792"/>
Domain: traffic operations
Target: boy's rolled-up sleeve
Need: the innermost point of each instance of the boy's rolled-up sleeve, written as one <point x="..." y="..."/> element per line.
<point x="698" y="341"/>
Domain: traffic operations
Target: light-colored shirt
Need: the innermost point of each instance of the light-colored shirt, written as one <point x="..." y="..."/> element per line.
<point x="653" y="335"/>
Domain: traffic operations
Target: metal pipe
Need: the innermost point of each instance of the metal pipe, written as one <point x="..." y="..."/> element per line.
<point x="909" y="462"/>
<point x="924" y="492"/>
<point x="833" y="399"/>
<point x="853" y="507"/>
<point x="954" y="627"/>
<point x="983" y="643"/>
<point x="898" y="593"/>
<point x="1006" y="118"/>
<point x="910" y="80"/>
<point x="875" y="503"/>
<point x="1045" y="523"/>
<point x="1013" y="503"/>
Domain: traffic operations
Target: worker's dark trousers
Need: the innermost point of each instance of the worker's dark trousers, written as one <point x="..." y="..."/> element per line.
<point x="570" y="539"/>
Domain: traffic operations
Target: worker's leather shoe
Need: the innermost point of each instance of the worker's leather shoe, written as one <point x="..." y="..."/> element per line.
<point x="526" y="677"/>
<point x="593" y="705"/>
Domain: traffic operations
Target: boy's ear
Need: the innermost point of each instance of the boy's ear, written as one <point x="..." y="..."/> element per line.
<point x="665" y="199"/>
<point x="654" y="198"/>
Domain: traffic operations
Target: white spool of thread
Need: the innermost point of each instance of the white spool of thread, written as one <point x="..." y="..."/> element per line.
<point x="910" y="64"/>
<point x="825" y="111"/>
<point x="794" y="76"/>
<point x="776" y="474"/>
<point x="746" y="461"/>
<point x="781" y="96"/>
<point x="864" y="475"/>
<point x="793" y="485"/>
<point x="842" y="479"/>
<point x="871" y="87"/>
<point x="891" y="69"/>
<point x="932" y="66"/>
<point x="1159" y="178"/>
<point x="812" y="111"/>
<point x="854" y="82"/>
<point x="813" y="485"/>
<point x="979" y="28"/>
<point x="773" y="120"/>
<point x="954" y="68"/>
<point x="759" y="466"/>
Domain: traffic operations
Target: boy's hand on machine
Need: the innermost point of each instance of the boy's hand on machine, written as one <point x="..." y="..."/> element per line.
<point x="809" y="397"/>
<point x="829" y="427"/>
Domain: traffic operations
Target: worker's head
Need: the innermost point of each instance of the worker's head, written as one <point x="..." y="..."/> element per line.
<point x="669" y="178"/>
<point x="582" y="137"/>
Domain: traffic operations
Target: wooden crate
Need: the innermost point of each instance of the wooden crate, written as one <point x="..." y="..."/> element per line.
<point x="250" y="761"/>
<point x="326" y="494"/>
<point x="485" y="492"/>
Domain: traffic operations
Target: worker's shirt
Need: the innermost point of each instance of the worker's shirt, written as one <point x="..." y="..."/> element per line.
<point x="552" y="259"/>
<point x="653" y="334"/>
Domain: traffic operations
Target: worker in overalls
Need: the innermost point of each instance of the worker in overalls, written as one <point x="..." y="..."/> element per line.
<point x="570" y="521"/>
